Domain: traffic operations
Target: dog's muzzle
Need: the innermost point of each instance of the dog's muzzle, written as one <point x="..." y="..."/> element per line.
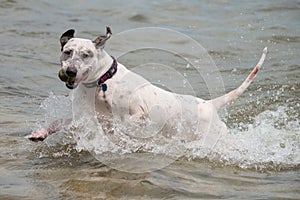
<point x="71" y="72"/>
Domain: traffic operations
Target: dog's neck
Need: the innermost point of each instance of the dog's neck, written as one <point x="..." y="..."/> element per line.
<point x="104" y="63"/>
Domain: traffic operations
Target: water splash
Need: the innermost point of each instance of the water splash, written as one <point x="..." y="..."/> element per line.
<point x="55" y="107"/>
<point x="263" y="146"/>
<point x="270" y="143"/>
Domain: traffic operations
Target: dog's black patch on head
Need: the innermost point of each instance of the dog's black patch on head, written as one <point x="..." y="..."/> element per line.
<point x="65" y="37"/>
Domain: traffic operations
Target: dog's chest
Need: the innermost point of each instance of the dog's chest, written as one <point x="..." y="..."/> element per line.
<point x="103" y="103"/>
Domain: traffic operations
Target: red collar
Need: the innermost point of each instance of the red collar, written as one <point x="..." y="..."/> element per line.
<point x="109" y="74"/>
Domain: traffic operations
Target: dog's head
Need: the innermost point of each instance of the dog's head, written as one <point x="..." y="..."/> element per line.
<point x="80" y="57"/>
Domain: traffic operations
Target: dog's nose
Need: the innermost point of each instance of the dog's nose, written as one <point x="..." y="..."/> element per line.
<point x="71" y="72"/>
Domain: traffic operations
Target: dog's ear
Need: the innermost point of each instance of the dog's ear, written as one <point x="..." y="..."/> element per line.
<point x="64" y="38"/>
<point x="100" y="41"/>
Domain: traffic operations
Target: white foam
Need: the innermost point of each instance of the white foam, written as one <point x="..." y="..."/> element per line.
<point x="271" y="142"/>
<point x="262" y="146"/>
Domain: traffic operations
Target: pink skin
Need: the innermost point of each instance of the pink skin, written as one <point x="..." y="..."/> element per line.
<point x="42" y="134"/>
<point x="253" y="73"/>
<point x="38" y="136"/>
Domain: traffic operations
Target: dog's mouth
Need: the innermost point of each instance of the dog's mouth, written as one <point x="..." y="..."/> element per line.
<point x="71" y="85"/>
<point x="71" y="82"/>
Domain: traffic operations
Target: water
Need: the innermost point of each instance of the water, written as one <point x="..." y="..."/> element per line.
<point x="257" y="159"/>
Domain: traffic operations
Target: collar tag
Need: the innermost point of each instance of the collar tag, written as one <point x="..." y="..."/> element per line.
<point x="103" y="87"/>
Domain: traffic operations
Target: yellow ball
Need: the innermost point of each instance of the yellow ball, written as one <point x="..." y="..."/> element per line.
<point x="62" y="76"/>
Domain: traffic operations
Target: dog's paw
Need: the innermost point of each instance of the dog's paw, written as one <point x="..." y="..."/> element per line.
<point x="38" y="136"/>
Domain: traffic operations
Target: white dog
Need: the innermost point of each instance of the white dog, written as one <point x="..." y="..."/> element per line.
<point x="117" y="91"/>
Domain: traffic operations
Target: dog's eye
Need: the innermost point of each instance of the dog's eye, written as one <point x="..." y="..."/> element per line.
<point x="85" y="55"/>
<point x="68" y="52"/>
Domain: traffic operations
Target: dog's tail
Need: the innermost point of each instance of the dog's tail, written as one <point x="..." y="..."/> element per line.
<point x="222" y="101"/>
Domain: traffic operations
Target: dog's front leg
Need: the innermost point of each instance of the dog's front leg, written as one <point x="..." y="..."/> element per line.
<point x="138" y="113"/>
<point x="53" y="128"/>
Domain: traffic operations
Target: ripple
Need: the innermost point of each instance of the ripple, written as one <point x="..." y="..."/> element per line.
<point x="139" y="18"/>
<point x="281" y="39"/>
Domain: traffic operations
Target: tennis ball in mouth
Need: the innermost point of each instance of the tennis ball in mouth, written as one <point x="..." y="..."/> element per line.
<point x="62" y="76"/>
